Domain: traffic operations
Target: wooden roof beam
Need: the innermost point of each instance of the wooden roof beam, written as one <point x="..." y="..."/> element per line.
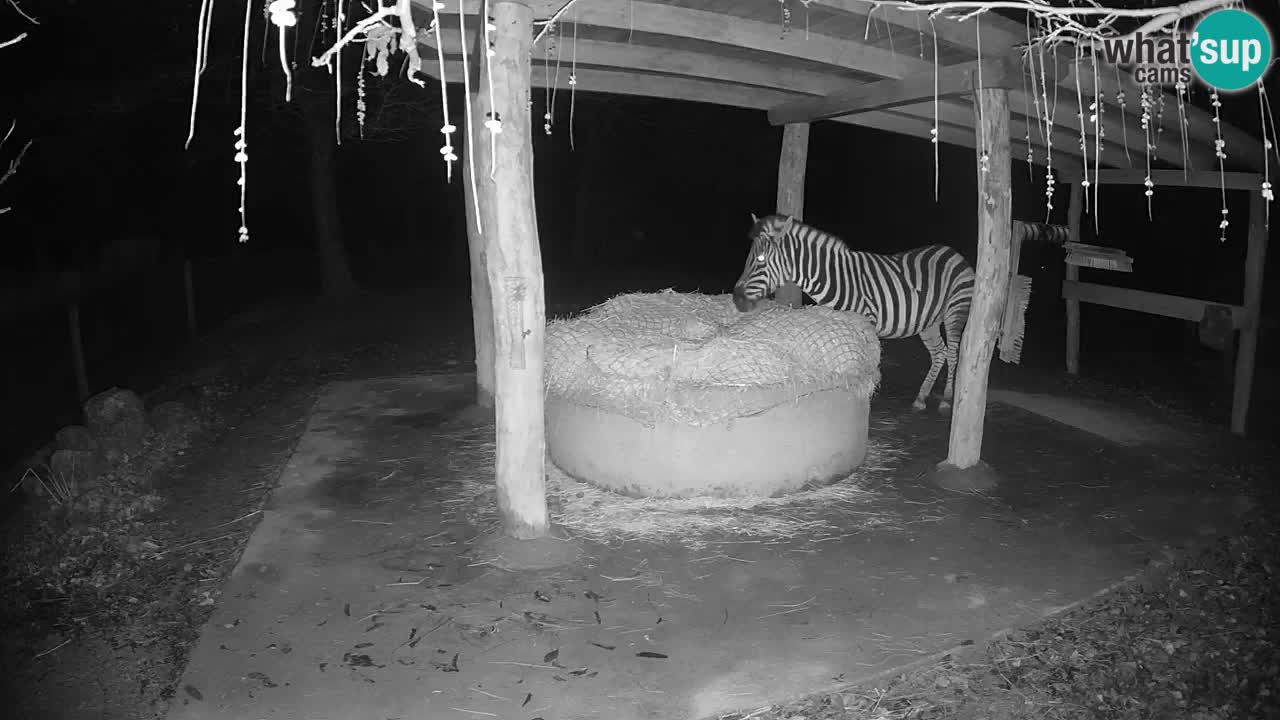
<point x="639" y="58"/>
<point x="948" y="82"/>
<point x="840" y="53"/>
<point x="628" y="56"/>
<point x="999" y="34"/>
<point x="711" y="27"/>
<point x="1066" y="147"/>
<point x="1241" y="146"/>
<point x="1251" y="182"/>
<point x="914" y="121"/>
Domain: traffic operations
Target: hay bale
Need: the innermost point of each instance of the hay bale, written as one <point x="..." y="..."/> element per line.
<point x="657" y="356"/>
<point x="680" y="394"/>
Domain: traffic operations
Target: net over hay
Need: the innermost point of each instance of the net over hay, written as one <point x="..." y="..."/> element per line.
<point x="680" y="394"/>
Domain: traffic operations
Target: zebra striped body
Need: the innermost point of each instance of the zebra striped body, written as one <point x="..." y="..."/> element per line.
<point x="925" y="291"/>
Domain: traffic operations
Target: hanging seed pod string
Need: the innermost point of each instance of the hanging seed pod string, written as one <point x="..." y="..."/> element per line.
<point x="1220" y="150"/>
<point x="467" y="122"/>
<point x="934" y="131"/>
<point x="494" y="121"/>
<point x="1030" y="57"/>
<point x="985" y="158"/>
<point x="1267" y="144"/>
<point x="241" y="133"/>
<point x="203" y="25"/>
<point x="1084" y="140"/>
<point x="573" y="79"/>
<point x="1026" y="111"/>
<point x="1180" y="90"/>
<point x="1146" y="129"/>
<point x="548" y="115"/>
<point x="361" y="105"/>
<point x="410" y="44"/>
<point x="1050" y="113"/>
<point x="1124" y="117"/>
<point x="340" y="21"/>
<point x="1099" y="135"/>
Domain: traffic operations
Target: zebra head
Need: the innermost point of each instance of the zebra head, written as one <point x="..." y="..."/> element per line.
<point x="766" y="267"/>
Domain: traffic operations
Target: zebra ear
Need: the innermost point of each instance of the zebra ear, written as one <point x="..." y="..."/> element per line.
<point x="787" y="223"/>
<point x="754" y="219"/>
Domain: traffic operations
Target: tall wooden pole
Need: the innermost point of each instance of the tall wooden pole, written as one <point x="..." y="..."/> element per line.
<point x="793" y="162"/>
<point x="479" y="147"/>
<point x="1074" y="210"/>
<point x="1254" y="263"/>
<point x="513" y="265"/>
<point x="991" y="287"/>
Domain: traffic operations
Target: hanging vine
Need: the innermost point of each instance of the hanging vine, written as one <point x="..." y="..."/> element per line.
<point x="388" y="28"/>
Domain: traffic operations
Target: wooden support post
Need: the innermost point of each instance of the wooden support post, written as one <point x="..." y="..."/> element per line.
<point x="1254" y="264"/>
<point x="479" y="147"/>
<point x="793" y="162"/>
<point x="189" y="291"/>
<point x="1074" y="210"/>
<point x="991" y="288"/>
<point x="513" y="266"/>
<point x="77" y="352"/>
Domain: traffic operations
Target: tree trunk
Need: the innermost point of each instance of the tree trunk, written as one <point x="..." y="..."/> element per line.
<point x="335" y="270"/>
<point x="991" y="286"/>
<point x="513" y="263"/>
<point x="481" y="299"/>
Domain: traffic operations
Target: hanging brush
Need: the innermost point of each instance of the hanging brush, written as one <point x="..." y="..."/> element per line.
<point x="1014" y="325"/>
<point x="1099" y="257"/>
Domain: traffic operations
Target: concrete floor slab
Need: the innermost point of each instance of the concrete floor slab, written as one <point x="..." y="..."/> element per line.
<point x="361" y="596"/>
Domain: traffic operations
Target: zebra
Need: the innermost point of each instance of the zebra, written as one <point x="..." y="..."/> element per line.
<point x="925" y="291"/>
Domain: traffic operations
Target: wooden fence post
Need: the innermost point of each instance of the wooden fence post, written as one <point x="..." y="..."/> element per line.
<point x="1254" y="266"/>
<point x="793" y="162"/>
<point x="1074" y="210"/>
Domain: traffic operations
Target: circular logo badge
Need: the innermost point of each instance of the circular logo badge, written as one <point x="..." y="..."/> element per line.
<point x="1231" y="49"/>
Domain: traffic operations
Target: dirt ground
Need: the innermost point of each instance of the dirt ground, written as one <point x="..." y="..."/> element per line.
<point x="65" y="657"/>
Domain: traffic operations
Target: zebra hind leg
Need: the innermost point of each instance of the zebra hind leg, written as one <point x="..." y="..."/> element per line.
<point x="954" y="329"/>
<point x="933" y="342"/>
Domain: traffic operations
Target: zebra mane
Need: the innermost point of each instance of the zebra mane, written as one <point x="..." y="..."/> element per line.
<point x="805" y="233"/>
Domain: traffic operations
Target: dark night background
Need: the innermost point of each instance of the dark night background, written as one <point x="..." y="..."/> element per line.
<point x="104" y="90"/>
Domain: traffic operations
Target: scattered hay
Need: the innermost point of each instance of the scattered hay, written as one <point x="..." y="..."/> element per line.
<point x="815" y="515"/>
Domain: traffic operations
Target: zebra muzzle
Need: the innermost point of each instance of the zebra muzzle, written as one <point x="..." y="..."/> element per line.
<point x="741" y="301"/>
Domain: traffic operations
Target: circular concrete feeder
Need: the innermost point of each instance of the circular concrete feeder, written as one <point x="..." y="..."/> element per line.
<point x="817" y="438"/>
<point x="674" y="395"/>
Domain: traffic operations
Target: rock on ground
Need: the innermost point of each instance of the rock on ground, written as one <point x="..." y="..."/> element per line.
<point x="118" y="419"/>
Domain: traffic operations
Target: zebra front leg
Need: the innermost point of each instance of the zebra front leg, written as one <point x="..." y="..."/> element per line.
<point x="932" y="340"/>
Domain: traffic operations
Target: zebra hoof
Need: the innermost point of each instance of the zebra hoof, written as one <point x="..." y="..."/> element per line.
<point x="944" y="408"/>
<point x="918" y="406"/>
